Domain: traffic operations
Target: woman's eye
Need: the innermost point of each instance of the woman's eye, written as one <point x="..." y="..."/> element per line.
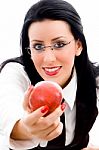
<point x="38" y="47"/>
<point x="59" y="45"/>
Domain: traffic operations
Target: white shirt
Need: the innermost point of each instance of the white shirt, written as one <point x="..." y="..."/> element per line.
<point x="13" y="83"/>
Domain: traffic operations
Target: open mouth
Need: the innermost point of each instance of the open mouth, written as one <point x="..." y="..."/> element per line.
<point x="52" y="70"/>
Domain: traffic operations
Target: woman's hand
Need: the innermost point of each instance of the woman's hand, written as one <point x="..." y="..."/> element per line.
<point x="34" y="124"/>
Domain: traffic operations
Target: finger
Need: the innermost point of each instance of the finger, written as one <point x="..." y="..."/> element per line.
<point x="55" y="133"/>
<point x="44" y="130"/>
<point x="40" y="112"/>
<point x="56" y="114"/>
<point x="49" y="120"/>
<point x="34" y="116"/>
<point x="28" y="91"/>
<point x="26" y="98"/>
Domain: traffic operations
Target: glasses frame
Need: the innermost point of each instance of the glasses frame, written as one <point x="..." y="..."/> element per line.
<point x="44" y="47"/>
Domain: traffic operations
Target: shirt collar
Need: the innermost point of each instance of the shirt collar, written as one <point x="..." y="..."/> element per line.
<point x="69" y="92"/>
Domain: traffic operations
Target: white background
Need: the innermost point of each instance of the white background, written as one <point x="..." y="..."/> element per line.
<point x="12" y="14"/>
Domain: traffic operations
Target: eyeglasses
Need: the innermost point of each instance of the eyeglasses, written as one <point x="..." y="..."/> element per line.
<point x="39" y="47"/>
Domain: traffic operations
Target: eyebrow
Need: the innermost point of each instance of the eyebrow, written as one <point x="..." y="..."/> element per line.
<point x="51" y="40"/>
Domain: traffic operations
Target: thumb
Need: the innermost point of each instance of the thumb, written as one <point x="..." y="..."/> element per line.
<point x="26" y="98"/>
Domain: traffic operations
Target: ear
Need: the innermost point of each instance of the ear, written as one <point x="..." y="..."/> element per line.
<point x="79" y="47"/>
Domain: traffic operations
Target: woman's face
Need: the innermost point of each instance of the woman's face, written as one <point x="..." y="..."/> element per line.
<point x="53" y="63"/>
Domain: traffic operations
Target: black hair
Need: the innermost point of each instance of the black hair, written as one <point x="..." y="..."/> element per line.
<point x="61" y="10"/>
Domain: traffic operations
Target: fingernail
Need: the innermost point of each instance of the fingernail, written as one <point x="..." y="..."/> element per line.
<point x="63" y="106"/>
<point x="44" y="109"/>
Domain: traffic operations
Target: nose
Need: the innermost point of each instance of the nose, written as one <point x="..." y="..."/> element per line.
<point x="49" y="55"/>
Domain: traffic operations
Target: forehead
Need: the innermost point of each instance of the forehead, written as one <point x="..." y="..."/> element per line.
<point x="49" y="27"/>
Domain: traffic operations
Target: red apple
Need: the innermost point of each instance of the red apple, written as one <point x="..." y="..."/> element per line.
<point x="46" y="93"/>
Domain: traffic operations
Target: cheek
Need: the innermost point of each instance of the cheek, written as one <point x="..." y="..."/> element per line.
<point x="68" y="57"/>
<point x="36" y="60"/>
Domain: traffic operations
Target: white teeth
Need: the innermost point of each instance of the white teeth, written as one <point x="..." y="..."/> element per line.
<point x="51" y="69"/>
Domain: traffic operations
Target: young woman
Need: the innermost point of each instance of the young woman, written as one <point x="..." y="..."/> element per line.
<point x="53" y="48"/>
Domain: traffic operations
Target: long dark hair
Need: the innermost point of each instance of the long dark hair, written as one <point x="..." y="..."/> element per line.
<point x="61" y="10"/>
